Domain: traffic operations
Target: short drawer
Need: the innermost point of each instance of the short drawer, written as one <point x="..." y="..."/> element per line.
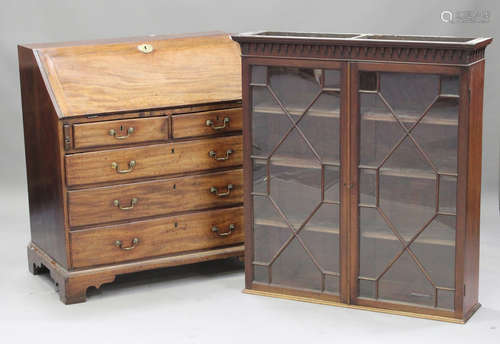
<point x="168" y="235"/>
<point x="152" y="161"/>
<point x="158" y="197"/>
<point x="207" y="123"/>
<point x="120" y="132"/>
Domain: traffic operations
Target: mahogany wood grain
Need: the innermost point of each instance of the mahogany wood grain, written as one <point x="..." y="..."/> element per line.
<point x="103" y="78"/>
<point x="195" y="124"/>
<point x="157" y="237"/>
<point x="43" y="157"/>
<point x="151" y="161"/>
<point x="98" y="133"/>
<point x="91" y="206"/>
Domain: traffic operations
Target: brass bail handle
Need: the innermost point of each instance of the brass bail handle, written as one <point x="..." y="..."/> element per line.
<point x="131" y="165"/>
<point x="229" y="232"/>
<point x="210" y="123"/>
<point x="134" y="243"/>
<point x="213" y="154"/>
<point x="216" y="192"/>
<point x="133" y="202"/>
<point x="113" y="133"/>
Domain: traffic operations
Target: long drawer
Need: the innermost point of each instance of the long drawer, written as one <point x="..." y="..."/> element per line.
<point x="169" y="235"/>
<point x="154" y="160"/>
<point x="158" y="197"/>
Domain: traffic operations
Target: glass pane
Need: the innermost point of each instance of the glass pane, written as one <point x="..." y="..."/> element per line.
<point x="260" y="274"/>
<point x="435" y="248"/>
<point x="296" y="88"/>
<point x="448" y="194"/>
<point x="368" y="81"/>
<point x="408" y="202"/>
<point x="409" y="94"/>
<point x="413" y="188"/>
<point x="270" y="231"/>
<point x="450" y="85"/>
<point x="446" y="299"/>
<point x="332" y="183"/>
<point x="296" y="191"/>
<point x="259" y="75"/>
<point x="332" y="78"/>
<point x="437" y="134"/>
<point x="295" y="268"/>
<point x="269" y="122"/>
<point x="332" y="284"/>
<point x="295" y="149"/>
<point x="259" y="176"/>
<point x="321" y="126"/>
<point x="367" y="186"/>
<point x="377" y="243"/>
<point x="321" y="237"/>
<point x="404" y="282"/>
<point x="379" y="131"/>
<point x="367" y="288"/>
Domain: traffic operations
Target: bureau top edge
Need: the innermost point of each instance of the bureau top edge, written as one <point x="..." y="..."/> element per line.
<point x="363" y="39"/>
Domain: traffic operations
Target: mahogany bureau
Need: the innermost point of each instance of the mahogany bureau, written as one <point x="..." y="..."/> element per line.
<point x="133" y="155"/>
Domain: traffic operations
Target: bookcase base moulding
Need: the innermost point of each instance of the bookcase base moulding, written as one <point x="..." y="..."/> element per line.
<point x="133" y="156"/>
<point x="362" y="170"/>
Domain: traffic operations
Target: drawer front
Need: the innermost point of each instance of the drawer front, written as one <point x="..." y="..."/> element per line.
<point x="159" y="197"/>
<point x="151" y="161"/>
<point x="169" y="235"/>
<point x="207" y="123"/>
<point x="120" y="132"/>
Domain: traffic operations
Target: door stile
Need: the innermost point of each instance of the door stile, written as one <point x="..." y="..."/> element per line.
<point x="354" y="182"/>
<point x="247" y="173"/>
<point x="345" y="184"/>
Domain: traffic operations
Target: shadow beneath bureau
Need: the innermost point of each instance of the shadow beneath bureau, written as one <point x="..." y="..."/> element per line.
<point x="73" y="286"/>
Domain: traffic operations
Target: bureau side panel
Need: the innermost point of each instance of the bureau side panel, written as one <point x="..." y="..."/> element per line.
<point x="43" y="161"/>
<point x="473" y="202"/>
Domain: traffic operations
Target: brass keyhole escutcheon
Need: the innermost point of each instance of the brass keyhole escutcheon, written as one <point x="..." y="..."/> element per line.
<point x="145" y="48"/>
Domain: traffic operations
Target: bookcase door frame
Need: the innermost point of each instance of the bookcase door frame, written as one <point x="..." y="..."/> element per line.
<point x="354" y="234"/>
<point x="344" y="179"/>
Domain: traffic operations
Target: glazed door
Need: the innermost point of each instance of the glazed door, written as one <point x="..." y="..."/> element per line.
<point x="405" y="125"/>
<point x="294" y="165"/>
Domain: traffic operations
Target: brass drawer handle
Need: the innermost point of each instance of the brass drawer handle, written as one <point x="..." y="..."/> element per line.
<point x="215" y="191"/>
<point x="213" y="154"/>
<point x="211" y="123"/>
<point x="112" y="132"/>
<point x="229" y="232"/>
<point x="133" y="202"/>
<point x="131" y="165"/>
<point x="119" y="244"/>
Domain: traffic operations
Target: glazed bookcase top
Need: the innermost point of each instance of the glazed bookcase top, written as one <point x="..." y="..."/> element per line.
<point x="345" y="46"/>
<point x="108" y="76"/>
